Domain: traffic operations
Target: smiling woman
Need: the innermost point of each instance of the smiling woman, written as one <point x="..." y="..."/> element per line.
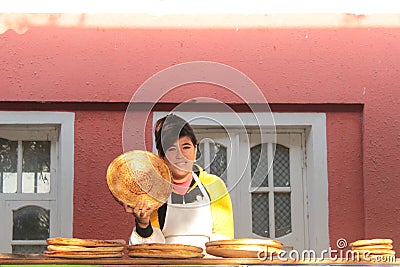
<point x="180" y="157"/>
<point x="177" y="145"/>
<point x="199" y="208"/>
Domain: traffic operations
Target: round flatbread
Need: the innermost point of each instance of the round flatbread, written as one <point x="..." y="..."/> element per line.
<point x="247" y="241"/>
<point x="369" y="242"/>
<point x="85" y="242"/>
<point x="139" y="176"/>
<point x="164" y="253"/>
<point x="8" y="256"/>
<point x="82" y="255"/>
<point x="81" y="248"/>
<point x="241" y="251"/>
<point x="169" y="247"/>
<point x="20" y="256"/>
<point x="372" y="247"/>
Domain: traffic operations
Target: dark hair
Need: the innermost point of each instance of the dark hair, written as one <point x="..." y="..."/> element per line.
<point x="169" y="129"/>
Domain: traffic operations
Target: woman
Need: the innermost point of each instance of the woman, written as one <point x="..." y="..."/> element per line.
<point x="198" y="210"/>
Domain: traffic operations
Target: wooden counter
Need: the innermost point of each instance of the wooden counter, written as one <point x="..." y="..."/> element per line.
<point x="113" y="262"/>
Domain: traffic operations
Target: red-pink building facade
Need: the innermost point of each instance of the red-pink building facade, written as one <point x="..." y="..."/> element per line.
<point x="350" y="73"/>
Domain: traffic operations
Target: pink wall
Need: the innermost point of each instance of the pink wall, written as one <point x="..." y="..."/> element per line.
<point x="346" y="203"/>
<point x="350" y="73"/>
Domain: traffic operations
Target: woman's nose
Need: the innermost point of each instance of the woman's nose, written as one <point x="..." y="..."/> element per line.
<point x="179" y="154"/>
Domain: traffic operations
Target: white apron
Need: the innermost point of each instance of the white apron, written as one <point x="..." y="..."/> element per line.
<point x="190" y="223"/>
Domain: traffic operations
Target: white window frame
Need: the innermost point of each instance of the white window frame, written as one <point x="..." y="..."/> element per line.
<point x="64" y="180"/>
<point x="315" y="173"/>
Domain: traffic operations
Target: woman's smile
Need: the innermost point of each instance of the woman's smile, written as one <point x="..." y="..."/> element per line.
<point x="181" y="164"/>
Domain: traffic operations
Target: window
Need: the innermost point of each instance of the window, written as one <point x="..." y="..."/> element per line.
<point x="277" y="182"/>
<point x="32" y="147"/>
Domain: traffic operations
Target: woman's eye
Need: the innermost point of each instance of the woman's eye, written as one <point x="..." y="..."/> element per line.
<point x="186" y="147"/>
<point x="171" y="149"/>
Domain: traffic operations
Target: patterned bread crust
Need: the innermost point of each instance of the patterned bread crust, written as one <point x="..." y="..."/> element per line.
<point x="241" y="251"/>
<point x="139" y="176"/>
<point x="369" y="242"/>
<point x="247" y="241"/>
<point x="85" y="242"/>
<point x="166" y="247"/>
<point x="82" y="248"/>
<point x="372" y="247"/>
<point x="164" y="253"/>
<point x="82" y="255"/>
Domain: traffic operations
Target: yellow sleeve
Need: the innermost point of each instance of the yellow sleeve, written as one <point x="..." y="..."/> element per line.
<point x="221" y="207"/>
<point x="154" y="219"/>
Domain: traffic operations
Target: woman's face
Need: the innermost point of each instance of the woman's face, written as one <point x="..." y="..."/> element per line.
<point x="180" y="158"/>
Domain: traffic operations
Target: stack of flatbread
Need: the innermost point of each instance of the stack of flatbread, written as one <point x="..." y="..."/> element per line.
<point x="374" y="249"/>
<point x="167" y="251"/>
<point x="61" y="247"/>
<point x="244" y="248"/>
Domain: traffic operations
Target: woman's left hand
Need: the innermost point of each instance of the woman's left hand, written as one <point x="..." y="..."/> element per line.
<point x="142" y="213"/>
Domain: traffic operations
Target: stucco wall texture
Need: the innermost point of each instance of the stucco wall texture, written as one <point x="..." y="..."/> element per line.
<point x="351" y="74"/>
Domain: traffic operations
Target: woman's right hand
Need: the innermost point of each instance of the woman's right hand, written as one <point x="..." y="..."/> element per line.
<point x="141" y="212"/>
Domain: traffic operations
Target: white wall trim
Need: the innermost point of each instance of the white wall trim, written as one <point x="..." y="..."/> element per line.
<point x="316" y="162"/>
<point x="65" y="122"/>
